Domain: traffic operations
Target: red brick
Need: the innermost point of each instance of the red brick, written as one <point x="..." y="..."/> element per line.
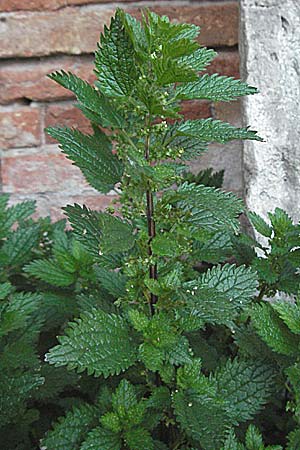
<point x="19" y="127"/>
<point x="76" y="30"/>
<point x="229" y="112"/>
<point x="26" y="174"/>
<point x="28" y="80"/>
<point x="65" y="114"/>
<point x="195" y="109"/>
<point x="226" y="63"/>
<point x="42" y="5"/>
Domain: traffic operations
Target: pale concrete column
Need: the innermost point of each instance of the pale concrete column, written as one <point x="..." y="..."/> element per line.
<point x="270" y="60"/>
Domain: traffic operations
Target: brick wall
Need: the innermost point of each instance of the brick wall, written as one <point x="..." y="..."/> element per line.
<point x="40" y="36"/>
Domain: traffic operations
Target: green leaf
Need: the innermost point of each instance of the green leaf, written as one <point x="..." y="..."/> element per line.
<point x="16" y="388"/>
<point x="124" y="399"/>
<point x="206" y="208"/>
<point x="5" y="289"/>
<point x="209" y="130"/>
<point x="294" y="440"/>
<point x="18" y="310"/>
<point x="168" y="71"/>
<point x="231" y="443"/>
<point x="289" y="313"/>
<point x="214" y="88"/>
<point x="259" y="224"/>
<point x="281" y="222"/>
<point x="200" y="59"/>
<point x="93" y="103"/>
<point x="113" y="282"/>
<point x="238" y="283"/>
<point x="100" y="233"/>
<point x="189" y="376"/>
<point x="139" y="439"/>
<point x="115" y="60"/>
<point x="220" y="294"/>
<point x="108" y="350"/>
<point x="16" y="249"/>
<point x="101" y="438"/>
<point x="202" y="418"/>
<point x="50" y="272"/>
<point x="253" y="439"/>
<point x="16" y="213"/>
<point x="190" y="147"/>
<point x="92" y="154"/>
<point x="245" y="386"/>
<point x="161" y="27"/>
<point x="70" y="431"/>
<point x="273" y="331"/>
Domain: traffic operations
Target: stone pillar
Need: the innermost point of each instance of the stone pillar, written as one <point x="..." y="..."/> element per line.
<point x="270" y="60"/>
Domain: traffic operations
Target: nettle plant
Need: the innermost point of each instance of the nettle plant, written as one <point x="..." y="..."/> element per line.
<point x="157" y="328"/>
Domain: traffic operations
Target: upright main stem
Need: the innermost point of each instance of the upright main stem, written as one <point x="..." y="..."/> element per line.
<point x="151" y="224"/>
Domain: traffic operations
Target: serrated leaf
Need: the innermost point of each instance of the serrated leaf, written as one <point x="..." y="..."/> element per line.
<point x="219" y="294"/>
<point x="289" y="313"/>
<point x="139" y="439"/>
<point x="259" y="224"/>
<point x="92" y="154"/>
<point x="273" y="331"/>
<point x="16" y="389"/>
<point x="215" y="88"/>
<point x="168" y="71"/>
<point x="16" y="249"/>
<point x="112" y="281"/>
<point x="162" y="27"/>
<point x="5" y="289"/>
<point x="190" y="147"/>
<point x="231" y="443"/>
<point x="70" y="431"/>
<point x="245" y="387"/>
<point x="209" y="130"/>
<point x="200" y="59"/>
<point x="294" y="440"/>
<point x="281" y="222"/>
<point x="17" y="311"/>
<point x="101" y="438"/>
<point x="253" y="439"/>
<point x="115" y="60"/>
<point x="100" y="233"/>
<point x="207" y="208"/>
<point x="202" y="418"/>
<point x="16" y="213"/>
<point x="108" y="350"/>
<point x="50" y="272"/>
<point x="93" y="103"/>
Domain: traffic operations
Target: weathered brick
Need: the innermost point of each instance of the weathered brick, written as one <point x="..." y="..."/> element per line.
<point x="195" y="109"/>
<point x="226" y="63"/>
<point x="40" y="172"/>
<point x="76" y="30"/>
<point x="65" y="114"/>
<point x="229" y="112"/>
<point x="19" y="127"/>
<point x="42" y="5"/>
<point x="28" y="79"/>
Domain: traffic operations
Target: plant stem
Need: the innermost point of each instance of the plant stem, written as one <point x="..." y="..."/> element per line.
<point x="151" y="222"/>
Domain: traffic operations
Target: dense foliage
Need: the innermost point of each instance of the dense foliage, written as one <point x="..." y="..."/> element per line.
<point x="171" y="344"/>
